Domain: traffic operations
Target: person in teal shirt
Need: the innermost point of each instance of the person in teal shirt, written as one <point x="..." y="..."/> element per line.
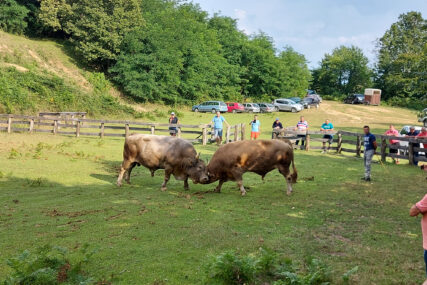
<point x="327" y="127"/>
<point x="256" y="128"/>
<point x="218" y="121"/>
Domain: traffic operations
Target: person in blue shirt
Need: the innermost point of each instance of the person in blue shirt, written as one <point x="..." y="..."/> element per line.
<point x="256" y="128"/>
<point x="328" y="128"/>
<point x="218" y="122"/>
<point x="370" y="145"/>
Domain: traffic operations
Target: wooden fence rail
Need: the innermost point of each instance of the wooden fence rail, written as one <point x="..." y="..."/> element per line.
<point x="408" y="147"/>
<point x="108" y="128"/>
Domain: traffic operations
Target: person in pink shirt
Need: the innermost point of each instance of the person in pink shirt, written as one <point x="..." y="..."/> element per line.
<point x="395" y="143"/>
<point x="423" y="134"/>
<point x="421" y="208"/>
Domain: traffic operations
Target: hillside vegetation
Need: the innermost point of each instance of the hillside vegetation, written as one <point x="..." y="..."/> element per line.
<point x="38" y="75"/>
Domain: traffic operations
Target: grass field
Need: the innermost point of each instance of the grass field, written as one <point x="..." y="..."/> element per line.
<point x="60" y="191"/>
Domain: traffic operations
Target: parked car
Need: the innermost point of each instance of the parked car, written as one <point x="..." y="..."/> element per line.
<point x="266" y="107"/>
<point x="355" y="99"/>
<point x="310" y="102"/>
<point x="234" y="107"/>
<point x="422" y="117"/>
<point x="252" y="108"/>
<point x="313" y="94"/>
<point x="287" y="105"/>
<point x="211" y="106"/>
<point x="296" y="99"/>
<point x="403" y="132"/>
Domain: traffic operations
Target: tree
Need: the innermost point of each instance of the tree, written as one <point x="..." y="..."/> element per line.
<point x="12" y="17"/>
<point x="344" y="71"/>
<point x="96" y="28"/>
<point x="402" y="51"/>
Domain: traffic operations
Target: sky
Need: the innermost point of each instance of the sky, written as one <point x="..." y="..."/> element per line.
<point x="316" y="27"/>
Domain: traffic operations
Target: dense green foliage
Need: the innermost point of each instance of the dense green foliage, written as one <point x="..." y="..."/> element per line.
<point x="402" y="61"/>
<point x="12" y="17"/>
<point x="344" y="71"/>
<point x="30" y="91"/>
<point x="50" y="265"/>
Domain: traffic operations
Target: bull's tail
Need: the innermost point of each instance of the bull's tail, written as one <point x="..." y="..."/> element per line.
<point x="294" y="174"/>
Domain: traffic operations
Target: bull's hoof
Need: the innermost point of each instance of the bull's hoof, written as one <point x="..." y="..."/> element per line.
<point x="289" y="193"/>
<point x="243" y="193"/>
<point x="216" y="190"/>
<point x="119" y="184"/>
<point x="163" y="189"/>
<point x="186" y="188"/>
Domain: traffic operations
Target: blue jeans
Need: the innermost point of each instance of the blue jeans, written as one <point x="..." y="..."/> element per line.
<point x="217" y="133"/>
<point x="425" y="259"/>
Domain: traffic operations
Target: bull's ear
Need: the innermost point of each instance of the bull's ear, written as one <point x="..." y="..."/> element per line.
<point x="198" y="155"/>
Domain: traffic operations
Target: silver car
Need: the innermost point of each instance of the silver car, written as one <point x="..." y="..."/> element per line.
<point x="251" y="108"/>
<point x="266" y="107"/>
<point x="287" y="105"/>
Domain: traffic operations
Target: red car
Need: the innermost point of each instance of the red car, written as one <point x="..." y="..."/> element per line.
<point x="234" y="107"/>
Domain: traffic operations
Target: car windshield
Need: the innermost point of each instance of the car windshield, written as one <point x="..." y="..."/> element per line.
<point x="256" y="105"/>
<point x="291" y="102"/>
<point x="222" y="104"/>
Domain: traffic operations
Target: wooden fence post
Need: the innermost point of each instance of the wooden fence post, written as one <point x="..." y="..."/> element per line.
<point x="153" y="129"/>
<point x="227" y="136"/>
<point x="236" y="133"/>
<point x="126" y="130"/>
<point x="242" y="131"/>
<point x="179" y="133"/>
<point x="358" y="146"/>
<point x="9" y="125"/>
<point x="78" y="129"/>
<point x="307" y="141"/>
<point x="101" y="134"/>
<point x="339" y="144"/>
<point x="411" y="153"/>
<point x="204" y="136"/>
<point x="383" y="149"/>
<point x="55" y="126"/>
<point x="31" y="129"/>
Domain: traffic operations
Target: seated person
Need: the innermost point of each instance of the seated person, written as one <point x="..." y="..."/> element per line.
<point x="277" y="128"/>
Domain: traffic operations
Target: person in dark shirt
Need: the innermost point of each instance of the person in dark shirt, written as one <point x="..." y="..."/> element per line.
<point x="173" y="120"/>
<point x="370" y="145"/>
<point x="277" y="127"/>
<point x="413" y="133"/>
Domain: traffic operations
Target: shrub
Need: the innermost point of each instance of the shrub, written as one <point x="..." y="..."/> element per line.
<point x="12" y="17"/>
<point x="50" y="265"/>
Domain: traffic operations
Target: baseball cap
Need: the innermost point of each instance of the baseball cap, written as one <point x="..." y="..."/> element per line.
<point x="277" y="119"/>
<point x="173" y="113"/>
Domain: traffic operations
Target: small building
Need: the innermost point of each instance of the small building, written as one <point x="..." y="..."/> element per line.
<point x="372" y="96"/>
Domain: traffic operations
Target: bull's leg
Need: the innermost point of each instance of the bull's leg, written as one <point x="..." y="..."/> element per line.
<point x="186" y="187"/>
<point x="168" y="173"/>
<point x="152" y="172"/>
<point x="284" y="170"/>
<point x="128" y="172"/>
<point x="218" y="188"/>
<point x="125" y="166"/>
<point x="241" y="187"/>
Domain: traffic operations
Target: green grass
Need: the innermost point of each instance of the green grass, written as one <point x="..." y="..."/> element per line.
<point x="60" y="191"/>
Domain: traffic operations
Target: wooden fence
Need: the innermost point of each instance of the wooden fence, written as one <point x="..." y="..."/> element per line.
<point x="352" y="143"/>
<point x="109" y="128"/>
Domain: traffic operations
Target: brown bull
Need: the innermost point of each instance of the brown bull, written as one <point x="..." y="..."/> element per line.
<point x="232" y="160"/>
<point x="176" y="156"/>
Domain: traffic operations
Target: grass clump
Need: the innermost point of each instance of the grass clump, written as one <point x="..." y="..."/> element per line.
<point x="50" y="265"/>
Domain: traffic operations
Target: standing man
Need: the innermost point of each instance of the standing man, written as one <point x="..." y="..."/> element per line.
<point x="370" y="144"/>
<point x="218" y="121"/>
<point x="421" y="208"/>
<point x="256" y="128"/>
<point x="302" y="126"/>
<point x="393" y="132"/>
<point x="423" y="134"/>
<point x="277" y="127"/>
<point x="327" y="127"/>
<point x="173" y="120"/>
<point x="414" y="133"/>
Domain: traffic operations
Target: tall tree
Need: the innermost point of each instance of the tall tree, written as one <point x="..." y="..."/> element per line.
<point x="12" y="17"/>
<point x="343" y="71"/>
<point x="401" y="67"/>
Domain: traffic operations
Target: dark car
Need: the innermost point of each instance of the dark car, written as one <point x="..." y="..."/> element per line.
<point x="296" y="99"/>
<point x="313" y="94"/>
<point x="310" y="102"/>
<point x="355" y="99"/>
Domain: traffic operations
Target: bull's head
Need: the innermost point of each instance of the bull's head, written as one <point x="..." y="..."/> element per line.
<point x="196" y="169"/>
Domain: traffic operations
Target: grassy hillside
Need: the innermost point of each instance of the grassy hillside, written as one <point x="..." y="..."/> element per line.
<point x="38" y="75"/>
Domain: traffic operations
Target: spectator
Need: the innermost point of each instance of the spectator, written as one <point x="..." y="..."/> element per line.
<point x="327" y="127"/>
<point x="256" y="128"/>
<point x="414" y="133"/>
<point x="370" y="145"/>
<point x="393" y="142"/>
<point x="218" y="121"/>
<point x="423" y="134"/>
<point x="421" y="208"/>
<point x="277" y="128"/>
<point x="173" y="120"/>
<point x="302" y="127"/>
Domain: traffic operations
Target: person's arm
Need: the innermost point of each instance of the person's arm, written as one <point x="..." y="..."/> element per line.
<point x="414" y="211"/>
<point x="375" y="144"/>
<point x="228" y="125"/>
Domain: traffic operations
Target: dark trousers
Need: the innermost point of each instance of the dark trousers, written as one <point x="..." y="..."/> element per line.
<point x="425" y="259"/>
<point x="302" y="140"/>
